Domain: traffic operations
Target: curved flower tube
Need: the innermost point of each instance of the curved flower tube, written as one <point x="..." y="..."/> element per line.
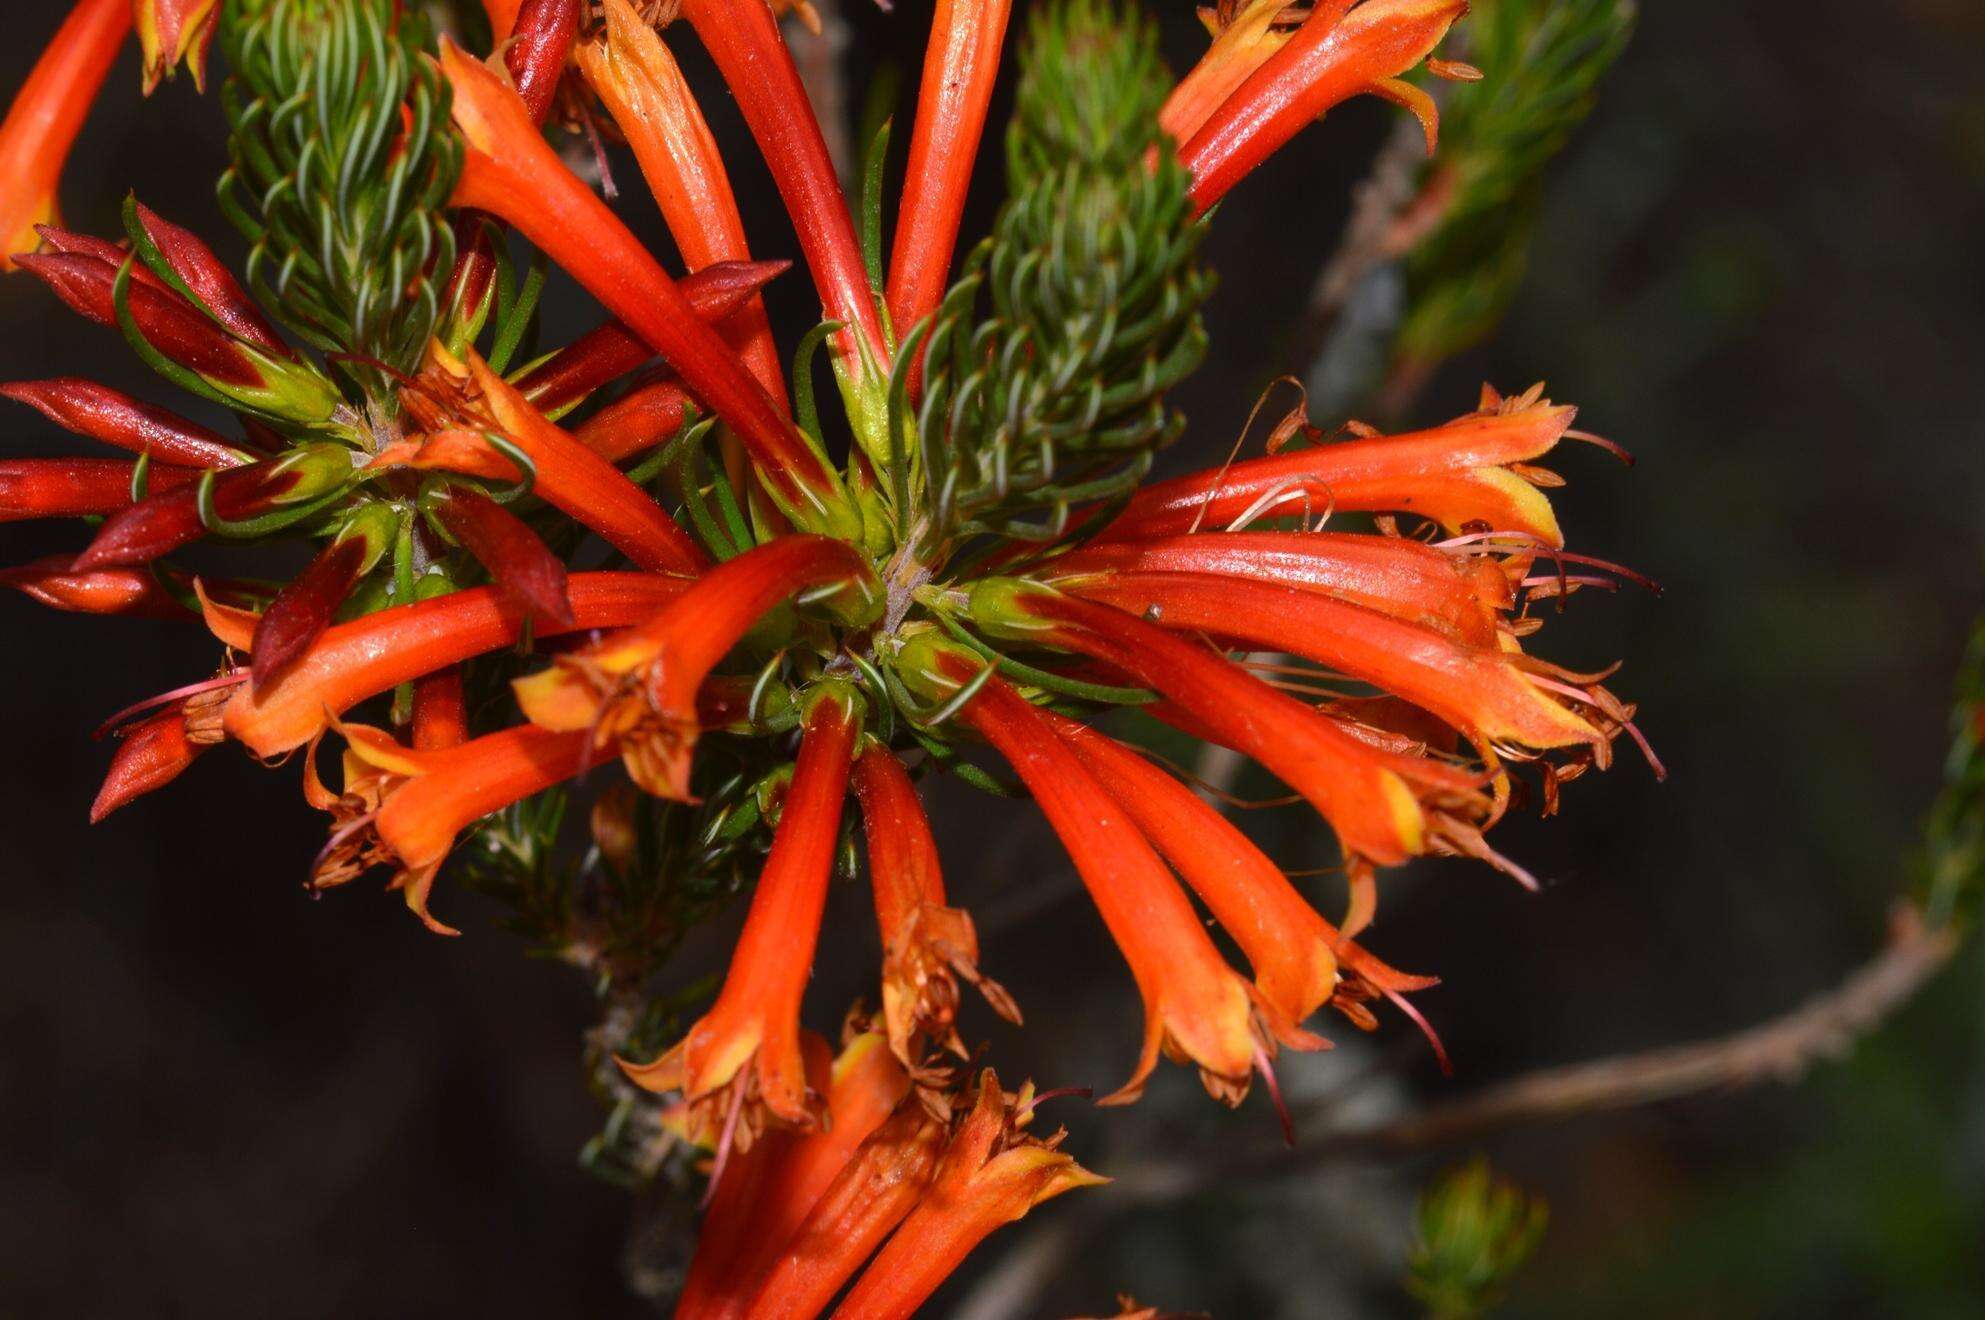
<point x="992" y="1174"/>
<point x="633" y="73"/>
<point x="638" y="688"/>
<point x="1334" y="56"/>
<point x="767" y="1192"/>
<point x="1195" y="1006"/>
<point x="750" y="1038"/>
<point x="47" y="114"/>
<point x="1462" y="598"/>
<point x="353" y="661"/>
<point x="512" y="172"/>
<point x="1481" y="692"/>
<point x="1293" y="950"/>
<point x="926" y="946"/>
<point x="744" y="41"/>
<point x="1367" y="794"/>
<point x="1457" y="474"/>
<point x="960" y="68"/>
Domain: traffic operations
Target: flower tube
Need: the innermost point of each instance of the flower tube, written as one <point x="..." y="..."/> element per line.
<point x="47" y="114"/>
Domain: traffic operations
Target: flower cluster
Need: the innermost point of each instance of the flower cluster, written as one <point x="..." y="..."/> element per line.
<point x="982" y="566"/>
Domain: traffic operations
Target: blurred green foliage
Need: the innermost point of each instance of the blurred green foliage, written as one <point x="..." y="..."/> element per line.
<point x="1475" y="1231"/>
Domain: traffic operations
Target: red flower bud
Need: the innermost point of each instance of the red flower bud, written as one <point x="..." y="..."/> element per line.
<point x="165" y="522"/>
<point x="75" y="487"/>
<point x="528" y="576"/>
<point x="109" y="415"/>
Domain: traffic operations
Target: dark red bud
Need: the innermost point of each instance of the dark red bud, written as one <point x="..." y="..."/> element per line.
<point x="75" y="487"/>
<point x="605" y="355"/>
<point x="153" y="753"/>
<point x="167" y="520"/>
<point x="128" y="591"/>
<point x="303" y="609"/>
<point x="102" y="413"/>
<point x="643" y="419"/>
<point x="212" y="283"/>
<point x="526" y="573"/>
<point x="168" y="322"/>
<point x="540" y="47"/>
<point x="57" y="241"/>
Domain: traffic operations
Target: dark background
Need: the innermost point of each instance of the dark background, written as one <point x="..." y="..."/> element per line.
<point x="1759" y="268"/>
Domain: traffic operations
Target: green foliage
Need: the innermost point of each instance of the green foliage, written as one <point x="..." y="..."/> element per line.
<point x="1541" y="61"/>
<point x="1953" y="862"/>
<point x="1475" y="1232"/>
<point x="342" y="159"/>
<point x="1054" y="394"/>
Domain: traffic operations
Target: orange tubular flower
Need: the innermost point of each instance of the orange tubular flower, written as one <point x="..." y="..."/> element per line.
<point x="749" y="1041"/>
<point x="1366" y="793"/>
<point x="352" y="661"/>
<point x="992" y="1174"/>
<point x="1482" y="692"/>
<point x="1407" y="579"/>
<point x="768" y="1191"/>
<point x="511" y="172"/>
<point x="1195" y="1006"/>
<point x="633" y="73"/>
<point x="404" y="807"/>
<point x="874" y="1192"/>
<point x="47" y="114"/>
<point x="639" y="688"/>
<point x="566" y="474"/>
<point x="1471" y="471"/>
<point x="1242" y="43"/>
<point x="175" y="32"/>
<point x="743" y="38"/>
<point x="1291" y="948"/>
<point x="959" y="71"/>
<point x="1334" y="56"/>
<point x="926" y="946"/>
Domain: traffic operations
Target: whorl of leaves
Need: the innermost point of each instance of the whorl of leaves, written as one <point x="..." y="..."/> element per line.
<point x="1541" y="61"/>
<point x="1045" y="369"/>
<point x="342" y="159"/>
